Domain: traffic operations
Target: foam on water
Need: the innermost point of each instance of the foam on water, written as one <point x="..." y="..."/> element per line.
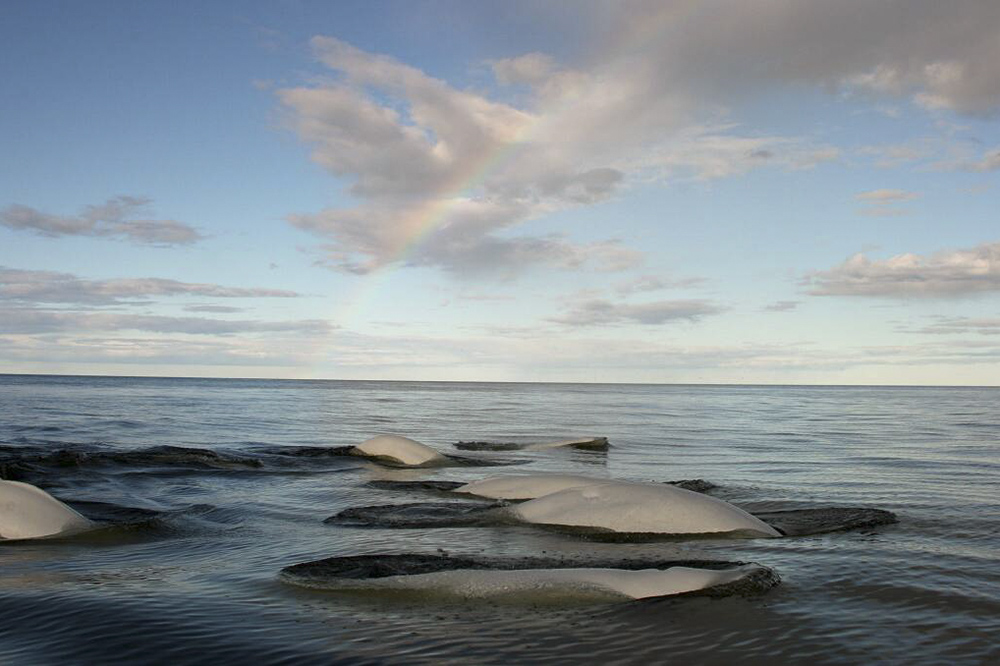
<point x="642" y="508"/>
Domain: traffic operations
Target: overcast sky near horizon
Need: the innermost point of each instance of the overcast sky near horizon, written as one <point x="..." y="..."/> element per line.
<point x="715" y="191"/>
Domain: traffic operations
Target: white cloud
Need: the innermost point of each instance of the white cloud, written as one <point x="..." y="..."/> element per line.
<point x="532" y="69"/>
<point x="781" y="306"/>
<point x="647" y="283"/>
<point x="452" y="173"/>
<point x="990" y="161"/>
<point x="160" y="354"/>
<point x="963" y="325"/>
<point x="423" y="155"/>
<point x="939" y="56"/>
<point x="30" y="321"/>
<point x="943" y="274"/>
<point x="28" y="286"/>
<point x="883" y="203"/>
<point x="600" y="312"/>
<point x="888" y="156"/>
<point x="886" y="196"/>
<point x="119" y="218"/>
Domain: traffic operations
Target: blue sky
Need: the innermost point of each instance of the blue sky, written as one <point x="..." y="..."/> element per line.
<point x="768" y="192"/>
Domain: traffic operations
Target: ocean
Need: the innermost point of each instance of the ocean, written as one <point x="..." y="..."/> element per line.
<point x="213" y="514"/>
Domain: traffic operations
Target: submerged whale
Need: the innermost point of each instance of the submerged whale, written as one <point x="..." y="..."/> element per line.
<point x="28" y="512"/>
<point x="524" y="486"/>
<point x="584" y="443"/>
<point x="398" y="450"/>
<point x="529" y="579"/>
<point x="640" y="508"/>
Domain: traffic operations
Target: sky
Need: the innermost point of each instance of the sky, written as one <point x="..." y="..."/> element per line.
<point x="720" y="191"/>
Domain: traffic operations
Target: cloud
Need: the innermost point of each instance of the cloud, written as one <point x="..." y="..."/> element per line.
<point x="886" y="196"/>
<point x="212" y="309"/>
<point x="709" y="152"/>
<point x="781" y="306"/>
<point x="30" y="321"/>
<point x="647" y="283"/>
<point x="595" y="312"/>
<point x="990" y="161"/>
<point x="422" y="155"/>
<point x="882" y="203"/>
<point x="943" y="274"/>
<point x="531" y="68"/>
<point x="940" y="57"/>
<point x="963" y="325"/>
<point x="444" y="176"/>
<point x="29" y="286"/>
<point x="116" y="218"/>
<point x="369" y="237"/>
<point x="888" y="156"/>
<point x="167" y="352"/>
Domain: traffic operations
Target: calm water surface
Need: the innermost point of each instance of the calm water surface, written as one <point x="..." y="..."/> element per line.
<point x="199" y="584"/>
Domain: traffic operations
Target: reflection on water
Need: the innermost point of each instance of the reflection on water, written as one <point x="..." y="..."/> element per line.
<point x="195" y="580"/>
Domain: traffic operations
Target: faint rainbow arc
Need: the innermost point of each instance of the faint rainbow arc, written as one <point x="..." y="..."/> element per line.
<point x="434" y="213"/>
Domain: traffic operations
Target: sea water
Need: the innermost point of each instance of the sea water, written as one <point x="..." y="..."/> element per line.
<point x="198" y="581"/>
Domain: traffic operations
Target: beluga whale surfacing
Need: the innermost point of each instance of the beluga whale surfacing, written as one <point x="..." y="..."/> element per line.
<point x="640" y="508"/>
<point x="398" y="450"/>
<point x="529" y="579"/>
<point x="28" y="512"/>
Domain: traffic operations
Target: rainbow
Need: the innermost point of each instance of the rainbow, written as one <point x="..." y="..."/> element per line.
<point x="426" y="218"/>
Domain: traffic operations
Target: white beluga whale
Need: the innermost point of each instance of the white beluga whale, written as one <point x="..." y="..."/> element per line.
<point x="398" y="450"/>
<point x="525" y="486"/>
<point x="529" y="579"/>
<point x="28" y="512"/>
<point x="580" y="582"/>
<point x="640" y="508"/>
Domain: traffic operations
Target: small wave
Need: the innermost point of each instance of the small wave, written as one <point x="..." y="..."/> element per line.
<point x="17" y="463"/>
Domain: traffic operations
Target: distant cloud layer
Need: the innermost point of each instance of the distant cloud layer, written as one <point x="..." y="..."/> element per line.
<point x="595" y="312"/>
<point x="781" y="306"/>
<point x="54" y="287"/>
<point x="963" y="325"/>
<point x="121" y="218"/>
<point x="49" y="321"/>
<point x="939" y="275"/>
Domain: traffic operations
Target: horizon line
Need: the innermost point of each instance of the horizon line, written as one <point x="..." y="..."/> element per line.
<point x="493" y="381"/>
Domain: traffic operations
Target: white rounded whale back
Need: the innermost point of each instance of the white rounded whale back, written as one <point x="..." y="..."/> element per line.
<point x="603" y="583"/>
<point x="525" y="486"/>
<point x="620" y="506"/>
<point x="27" y="512"/>
<point x="404" y="450"/>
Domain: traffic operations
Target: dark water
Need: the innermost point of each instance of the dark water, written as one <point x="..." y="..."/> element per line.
<point x="194" y="578"/>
